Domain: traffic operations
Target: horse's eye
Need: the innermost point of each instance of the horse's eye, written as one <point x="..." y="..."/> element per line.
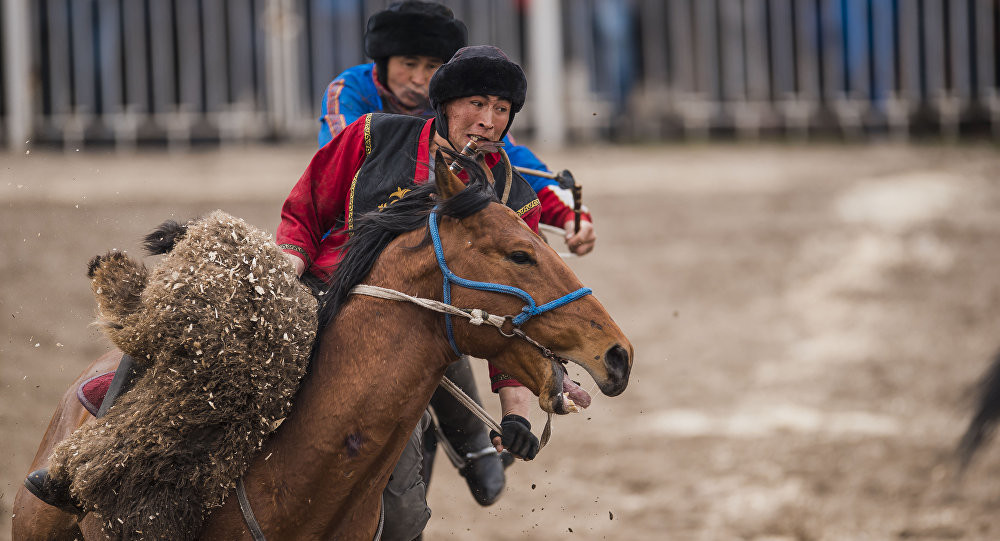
<point x="521" y="258"/>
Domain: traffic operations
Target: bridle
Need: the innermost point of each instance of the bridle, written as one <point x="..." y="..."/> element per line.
<point x="529" y="310"/>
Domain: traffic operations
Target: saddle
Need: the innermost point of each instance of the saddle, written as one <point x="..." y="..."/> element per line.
<point x="91" y="393"/>
<point x="98" y="393"/>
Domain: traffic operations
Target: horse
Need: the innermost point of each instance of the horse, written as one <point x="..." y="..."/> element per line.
<point x="378" y="360"/>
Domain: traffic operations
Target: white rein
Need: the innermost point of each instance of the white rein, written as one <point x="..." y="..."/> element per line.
<point x="475" y="317"/>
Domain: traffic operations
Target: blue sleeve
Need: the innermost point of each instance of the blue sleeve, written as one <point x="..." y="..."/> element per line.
<point x="348" y="97"/>
<point x="521" y="156"/>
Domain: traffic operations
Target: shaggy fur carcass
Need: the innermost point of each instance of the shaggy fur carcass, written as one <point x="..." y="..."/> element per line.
<point x="224" y="329"/>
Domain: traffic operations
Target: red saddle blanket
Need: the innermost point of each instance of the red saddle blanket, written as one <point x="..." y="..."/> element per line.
<point x="91" y="392"/>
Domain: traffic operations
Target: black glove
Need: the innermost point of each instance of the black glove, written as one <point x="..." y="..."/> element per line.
<point x="517" y="437"/>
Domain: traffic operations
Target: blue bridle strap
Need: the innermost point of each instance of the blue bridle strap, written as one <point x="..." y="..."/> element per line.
<point x="530" y="309"/>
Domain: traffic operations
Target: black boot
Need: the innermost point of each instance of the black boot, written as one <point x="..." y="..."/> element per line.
<point x="49" y="491"/>
<point x="485" y="477"/>
<point x="482" y="468"/>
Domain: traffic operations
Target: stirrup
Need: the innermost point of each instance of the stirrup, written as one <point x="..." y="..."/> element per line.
<point x="485" y="451"/>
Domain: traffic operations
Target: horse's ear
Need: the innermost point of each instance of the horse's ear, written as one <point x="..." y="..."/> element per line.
<point x="447" y="183"/>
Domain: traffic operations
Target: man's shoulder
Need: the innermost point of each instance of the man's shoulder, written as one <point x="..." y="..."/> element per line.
<point x="382" y="120"/>
<point x="361" y="70"/>
<point x="396" y="121"/>
<point x="355" y="77"/>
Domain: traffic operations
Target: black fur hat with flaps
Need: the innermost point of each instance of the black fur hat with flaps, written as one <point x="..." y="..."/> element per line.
<point x="477" y="70"/>
<point x="414" y="28"/>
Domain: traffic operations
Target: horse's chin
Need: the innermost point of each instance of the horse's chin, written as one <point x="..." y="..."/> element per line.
<point x="564" y="395"/>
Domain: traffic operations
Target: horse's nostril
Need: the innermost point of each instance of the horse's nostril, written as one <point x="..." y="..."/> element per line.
<point x="616" y="360"/>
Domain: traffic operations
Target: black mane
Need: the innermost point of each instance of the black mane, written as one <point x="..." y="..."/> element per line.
<point x="373" y="231"/>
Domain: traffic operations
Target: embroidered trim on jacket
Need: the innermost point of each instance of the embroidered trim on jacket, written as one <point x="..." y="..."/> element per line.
<point x="354" y="181"/>
<point x="297" y="249"/>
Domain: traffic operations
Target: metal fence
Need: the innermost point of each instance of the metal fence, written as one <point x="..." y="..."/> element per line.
<point x="179" y="72"/>
<point x="799" y="66"/>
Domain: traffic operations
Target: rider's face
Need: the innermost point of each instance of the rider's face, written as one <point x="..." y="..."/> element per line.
<point x="410" y="76"/>
<point x="471" y="116"/>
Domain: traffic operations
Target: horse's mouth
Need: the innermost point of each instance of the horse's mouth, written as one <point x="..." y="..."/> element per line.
<point x="567" y="395"/>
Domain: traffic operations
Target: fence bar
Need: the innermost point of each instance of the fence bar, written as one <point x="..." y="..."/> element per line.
<point x="546" y="61"/>
<point x="782" y="39"/>
<point x="679" y="47"/>
<point x="17" y="79"/>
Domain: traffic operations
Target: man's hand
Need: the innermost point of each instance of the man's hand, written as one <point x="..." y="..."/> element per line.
<point x="583" y="242"/>
<point x="517" y="437"/>
<point x="297" y="263"/>
<point x="516" y="402"/>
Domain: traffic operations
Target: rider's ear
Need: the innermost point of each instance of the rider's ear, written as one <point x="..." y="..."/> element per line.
<point x="447" y="183"/>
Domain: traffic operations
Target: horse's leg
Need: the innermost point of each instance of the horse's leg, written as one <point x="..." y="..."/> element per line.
<point x="32" y="518"/>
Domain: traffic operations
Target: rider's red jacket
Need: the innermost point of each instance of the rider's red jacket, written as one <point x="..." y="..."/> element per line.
<point x="364" y="166"/>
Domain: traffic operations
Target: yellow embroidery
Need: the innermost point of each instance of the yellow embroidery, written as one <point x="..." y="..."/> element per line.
<point x="368" y="134"/>
<point x="394" y="196"/>
<point x="534" y="203"/>
<point x="354" y="181"/>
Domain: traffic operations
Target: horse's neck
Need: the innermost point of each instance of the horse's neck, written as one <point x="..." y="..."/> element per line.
<point x="365" y="392"/>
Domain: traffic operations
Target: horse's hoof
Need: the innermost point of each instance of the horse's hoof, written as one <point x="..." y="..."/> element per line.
<point x="485" y="477"/>
<point x="41" y="485"/>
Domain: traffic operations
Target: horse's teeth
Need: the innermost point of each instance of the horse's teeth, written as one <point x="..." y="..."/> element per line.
<point x="570" y="405"/>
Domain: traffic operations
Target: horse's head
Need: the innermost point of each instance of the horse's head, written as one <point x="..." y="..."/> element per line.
<point x="495" y="246"/>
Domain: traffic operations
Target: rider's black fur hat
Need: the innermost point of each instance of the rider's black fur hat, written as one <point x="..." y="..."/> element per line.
<point x="477" y="70"/>
<point x="414" y="28"/>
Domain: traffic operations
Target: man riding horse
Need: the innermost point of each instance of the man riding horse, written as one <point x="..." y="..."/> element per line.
<point x="372" y="163"/>
<point x="409" y="41"/>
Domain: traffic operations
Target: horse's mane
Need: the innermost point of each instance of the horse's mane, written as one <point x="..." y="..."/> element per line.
<point x="374" y="230"/>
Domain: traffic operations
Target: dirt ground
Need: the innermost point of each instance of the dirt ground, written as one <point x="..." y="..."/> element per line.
<point x="808" y="322"/>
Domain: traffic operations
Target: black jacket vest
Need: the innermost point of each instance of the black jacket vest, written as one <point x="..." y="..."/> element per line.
<point x="391" y="143"/>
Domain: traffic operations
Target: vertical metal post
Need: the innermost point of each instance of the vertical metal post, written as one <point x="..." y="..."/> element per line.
<point x="282" y="64"/>
<point x="986" y="58"/>
<point x="681" y="47"/>
<point x="18" y="78"/>
<point x="546" y="91"/>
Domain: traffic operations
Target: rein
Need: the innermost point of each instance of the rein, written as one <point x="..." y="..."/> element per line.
<point x="476" y="317"/>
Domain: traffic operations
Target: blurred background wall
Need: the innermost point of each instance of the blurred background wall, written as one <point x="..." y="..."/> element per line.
<point x="189" y="72"/>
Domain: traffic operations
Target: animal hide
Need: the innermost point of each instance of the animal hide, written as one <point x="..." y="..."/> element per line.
<point x="225" y="330"/>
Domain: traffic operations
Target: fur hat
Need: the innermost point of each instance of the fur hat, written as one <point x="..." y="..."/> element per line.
<point x="414" y="28"/>
<point x="477" y="70"/>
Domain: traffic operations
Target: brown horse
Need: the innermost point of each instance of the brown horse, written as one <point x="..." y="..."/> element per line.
<point x="378" y="361"/>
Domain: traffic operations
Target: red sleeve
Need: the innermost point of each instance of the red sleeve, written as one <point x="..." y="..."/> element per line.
<point x="321" y="194"/>
<point x="499" y="379"/>
<point x="557" y="206"/>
